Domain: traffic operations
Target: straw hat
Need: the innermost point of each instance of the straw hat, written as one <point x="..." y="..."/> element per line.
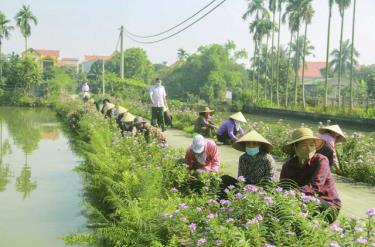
<point x="301" y="134"/>
<point x="239" y="117"/>
<point x="252" y="136"/>
<point x="128" y="118"/>
<point x="108" y="106"/>
<point x="139" y="120"/>
<point x="206" y="109"/>
<point x="121" y="110"/>
<point x="336" y="129"/>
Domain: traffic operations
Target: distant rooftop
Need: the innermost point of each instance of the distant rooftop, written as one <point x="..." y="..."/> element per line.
<point x="47" y="53"/>
<point x="312" y="70"/>
<point x="89" y="58"/>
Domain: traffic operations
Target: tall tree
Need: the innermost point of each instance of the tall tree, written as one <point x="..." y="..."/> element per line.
<point x="342" y="60"/>
<point x="5" y="29"/>
<point x="182" y="54"/>
<point x="308" y="13"/>
<point x="279" y="9"/>
<point x="330" y="5"/>
<point x="272" y="6"/>
<point x="23" y="20"/>
<point x="352" y="56"/>
<point x="343" y="5"/>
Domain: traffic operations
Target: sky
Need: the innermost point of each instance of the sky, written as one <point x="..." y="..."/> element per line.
<point x="83" y="27"/>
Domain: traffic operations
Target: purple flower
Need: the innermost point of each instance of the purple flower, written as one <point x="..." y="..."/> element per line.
<point x="371" y="212"/>
<point x="268" y="200"/>
<point x="239" y="195"/>
<point x="210" y="216"/>
<point x="241" y="179"/>
<point x="192" y="227"/>
<point x="361" y="240"/>
<point x="252" y="222"/>
<point x="184" y="206"/>
<point x="218" y="242"/>
<point x="226" y="191"/>
<point x="199" y="209"/>
<point x="231" y="187"/>
<point x="334" y="244"/>
<point x="201" y="241"/>
<point x="290" y="193"/>
<point x="310" y="199"/>
<point x="358" y="229"/>
<point x="269" y="245"/>
<point x="250" y="188"/>
<point x="279" y="189"/>
<point x="336" y="228"/>
<point x="176" y="212"/>
<point x="305" y="214"/>
<point x="225" y="202"/>
<point x="259" y="217"/>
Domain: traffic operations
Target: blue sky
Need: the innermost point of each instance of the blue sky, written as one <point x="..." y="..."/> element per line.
<point x="79" y="27"/>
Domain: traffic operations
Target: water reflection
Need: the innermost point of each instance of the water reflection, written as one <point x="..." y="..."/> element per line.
<point x="5" y="149"/>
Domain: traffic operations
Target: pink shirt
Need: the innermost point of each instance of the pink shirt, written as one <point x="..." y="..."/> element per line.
<point x="212" y="158"/>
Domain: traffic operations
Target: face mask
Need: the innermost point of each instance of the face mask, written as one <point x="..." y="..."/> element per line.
<point x="252" y="151"/>
<point x="303" y="155"/>
<point x="159" y="84"/>
<point x="201" y="158"/>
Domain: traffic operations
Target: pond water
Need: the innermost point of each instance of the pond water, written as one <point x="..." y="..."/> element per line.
<point x="39" y="191"/>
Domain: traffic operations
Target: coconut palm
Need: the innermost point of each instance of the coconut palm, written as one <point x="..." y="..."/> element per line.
<point x="299" y="53"/>
<point x="23" y="19"/>
<point x="330" y="5"/>
<point x="352" y="56"/>
<point x="279" y="9"/>
<point x="5" y="29"/>
<point x="182" y="54"/>
<point x="308" y="13"/>
<point x="272" y="6"/>
<point x="342" y="60"/>
<point x="343" y="5"/>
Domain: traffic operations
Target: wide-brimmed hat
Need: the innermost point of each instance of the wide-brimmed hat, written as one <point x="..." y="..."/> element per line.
<point x="121" y="110"/>
<point x="139" y="120"/>
<point x="108" y="106"/>
<point x="128" y="118"/>
<point x="239" y="117"/>
<point x="199" y="142"/>
<point x="206" y="109"/>
<point x="336" y="129"/>
<point x="301" y="134"/>
<point x="252" y="136"/>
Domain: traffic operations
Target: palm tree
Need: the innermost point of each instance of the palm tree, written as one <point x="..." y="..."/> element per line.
<point x="351" y="56"/>
<point x="182" y="54"/>
<point x="308" y="13"/>
<point x="279" y="8"/>
<point x="23" y="19"/>
<point x="330" y="2"/>
<point x="5" y="29"/>
<point x="342" y="60"/>
<point x="343" y="5"/>
<point x="272" y="6"/>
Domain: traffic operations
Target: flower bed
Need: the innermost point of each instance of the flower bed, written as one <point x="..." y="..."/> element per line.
<point x="137" y="194"/>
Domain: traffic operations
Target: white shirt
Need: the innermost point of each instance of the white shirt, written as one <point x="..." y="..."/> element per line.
<point x="85" y="88"/>
<point x="157" y="94"/>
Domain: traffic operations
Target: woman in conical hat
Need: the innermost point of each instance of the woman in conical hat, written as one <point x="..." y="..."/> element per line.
<point x="230" y="130"/>
<point x="331" y="134"/>
<point x="126" y="123"/>
<point x="310" y="171"/>
<point x="256" y="163"/>
<point x="204" y="125"/>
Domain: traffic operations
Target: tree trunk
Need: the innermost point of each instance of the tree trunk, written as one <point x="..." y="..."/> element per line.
<point x="272" y="56"/>
<point x="258" y="70"/>
<point x="253" y="65"/>
<point x="26" y="46"/>
<point x="288" y="68"/>
<point x="1" y="65"/>
<point x="327" y="58"/>
<point x="266" y="69"/>
<point x="340" y="62"/>
<point x="303" y="68"/>
<point x="296" y="71"/>
<point x="278" y="62"/>
<point x="351" y="57"/>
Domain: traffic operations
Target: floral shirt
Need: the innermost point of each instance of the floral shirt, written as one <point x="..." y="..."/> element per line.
<point x="212" y="158"/>
<point x="255" y="168"/>
<point x="313" y="177"/>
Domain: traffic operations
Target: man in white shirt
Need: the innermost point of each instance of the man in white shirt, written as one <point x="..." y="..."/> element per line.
<point x="85" y="91"/>
<point x="158" y="98"/>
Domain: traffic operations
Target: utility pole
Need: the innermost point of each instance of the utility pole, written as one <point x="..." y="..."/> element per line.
<point x="103" y="81"/>
<point x="122" y="51"/>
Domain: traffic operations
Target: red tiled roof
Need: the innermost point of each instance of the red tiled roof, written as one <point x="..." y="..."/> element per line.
<point x="89" y="58"/>
<point x="313" y="69"/>
<point x="69" y="59"/>
<point x="48" y="53"/>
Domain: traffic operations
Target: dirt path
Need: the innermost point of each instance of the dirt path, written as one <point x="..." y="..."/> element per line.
<point x="357" y="198"/>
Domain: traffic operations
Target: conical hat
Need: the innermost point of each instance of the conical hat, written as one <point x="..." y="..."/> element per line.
<point x="252" y="136"/>
<point x="121" y="110"/>
<point x="239" y="117"/>
<point x="128" y="118"/>
<point x="336" y="129"/>
<point x="206" y="109"/>
<point x="108" y="106"/>
<point x="301" y="134"/>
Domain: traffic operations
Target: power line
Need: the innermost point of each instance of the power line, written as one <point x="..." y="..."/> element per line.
<point x="174" y="34"/>
<point x="179" y="24"/>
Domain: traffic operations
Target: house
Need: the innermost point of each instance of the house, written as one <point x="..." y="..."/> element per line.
<point x="89" y="60"/>
<point x="47" y="58"/>
<point x="70" y="62"/>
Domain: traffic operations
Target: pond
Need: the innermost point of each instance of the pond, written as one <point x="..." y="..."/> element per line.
<point x="39" y="191"/>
